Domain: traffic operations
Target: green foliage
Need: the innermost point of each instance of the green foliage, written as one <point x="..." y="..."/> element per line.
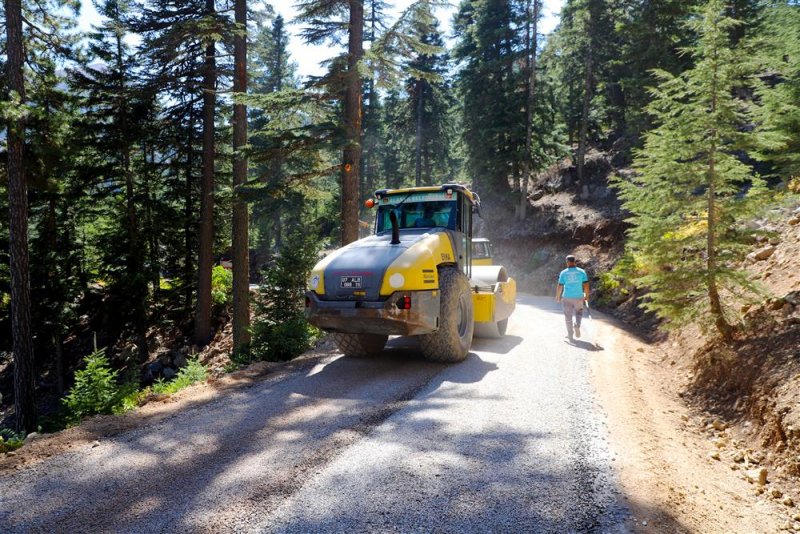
<point x="615" y="286"/>
<point x="231" y="366"/>
<point x="130" y="397"/>
<point x="776" y="48"/>
<point x="192" y="373"/>
<point x="650" y="35"/>
<point x="493" y="127"/>
<point x="95" y="391"/>
<point x="493" y="90"/>
<point x="280" y="331"/>
<point x="221" y="286"/>
<point x="692" y="190"/>
<point x="587" y="38"/>
<point x="10" y="440"/>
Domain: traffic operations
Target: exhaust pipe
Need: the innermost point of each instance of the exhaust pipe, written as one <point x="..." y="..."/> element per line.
<point x="395" y="228"/>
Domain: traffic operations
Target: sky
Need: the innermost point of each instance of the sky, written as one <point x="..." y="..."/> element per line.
<point x="308" y="58"/>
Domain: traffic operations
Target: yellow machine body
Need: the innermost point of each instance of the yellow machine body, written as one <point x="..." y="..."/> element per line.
<point x="361" y="288"/>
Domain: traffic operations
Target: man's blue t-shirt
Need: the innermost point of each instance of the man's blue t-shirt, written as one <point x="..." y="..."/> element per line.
<point x="572" y="278"/>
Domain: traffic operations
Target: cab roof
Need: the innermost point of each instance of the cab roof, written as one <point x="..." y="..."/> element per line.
<point x="473" y="197"/>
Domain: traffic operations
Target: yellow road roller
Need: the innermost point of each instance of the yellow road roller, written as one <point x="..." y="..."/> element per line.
<point x="413" y="277"/>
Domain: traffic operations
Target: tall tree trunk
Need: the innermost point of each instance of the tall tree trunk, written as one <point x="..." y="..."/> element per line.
<point x="587" y="100"/>
<point x="370" y="142"/>
<point x="188" y="214"/>
<point x="278" y="230"/>
<point x="369" y="158"/>
<point x="588" y="84"/>
<point x="202" y="321"/>
<point x="152" y="232"/>
<point x="59" y="364"/>
<point x="531" y="47"/>
<point x="135" y="276"/>
<point x="352" y="120"/>
<point x="715" y="302"/>
<point x="240" y="256"/>
<point x="418" y="135"/>
<point x="24" y="401"/>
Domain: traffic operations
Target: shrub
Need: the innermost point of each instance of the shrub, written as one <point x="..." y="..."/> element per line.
<point x="95" y="390"/>
<point x="193" y="372"/>
<point x="280" y="331"/>
<point x="221" y="286"/>
<point x="10" y="440"/>
<point x="130" y="397"/>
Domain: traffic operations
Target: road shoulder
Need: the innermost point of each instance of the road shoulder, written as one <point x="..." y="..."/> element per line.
<point x="665" y="465"/>
<point x="157" y="409"/>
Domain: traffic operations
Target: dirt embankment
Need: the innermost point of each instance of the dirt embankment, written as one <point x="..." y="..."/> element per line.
<point x="749" y="390"/>
<point x="563" y="216"/>
<point x="743" y="398"/>
<point x="568" y="216"/>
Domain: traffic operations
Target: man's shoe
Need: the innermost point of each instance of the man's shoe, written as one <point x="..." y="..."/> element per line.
<point x="577" y="331"/>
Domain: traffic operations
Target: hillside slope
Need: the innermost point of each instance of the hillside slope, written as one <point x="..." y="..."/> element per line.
<point x="745" y="396"/>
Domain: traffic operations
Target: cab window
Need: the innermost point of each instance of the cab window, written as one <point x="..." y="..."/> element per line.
<point x="480" y="250"/>
<point x="431" y="214"/>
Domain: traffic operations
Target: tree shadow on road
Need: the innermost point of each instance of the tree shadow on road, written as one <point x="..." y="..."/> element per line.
<point x="233" y="463"/>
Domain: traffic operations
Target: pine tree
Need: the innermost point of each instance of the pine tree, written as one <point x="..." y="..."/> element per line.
<point x="777" y="46"/>
<point x="374" y="29"/>
<point x="326" y="21"/>
<point x="587" y="43"/>
<point x="533" y="12"/>
<point x="36" y="118"/>
<point x="176" y="36"/>
<point x="685" y="201"/>
<point x="57" y="196"/>
<point x="429" y="100"/>
<point x="202" y="328"/>
<point x="109" y="130"/>
<point x="24" y="402"/>
<point x="397" y="170"/>
<point x="280" y="330"/>
<point x="493" y="128"/>
<point x="240" y="241"/>
<point x="653" y="34"/>
<point x="271" y="71"/>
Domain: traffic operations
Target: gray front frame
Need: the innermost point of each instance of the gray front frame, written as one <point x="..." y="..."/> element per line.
<point x="382" y="317"/>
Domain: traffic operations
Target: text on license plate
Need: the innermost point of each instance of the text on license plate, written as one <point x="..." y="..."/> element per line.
<point x="351" y="282"/>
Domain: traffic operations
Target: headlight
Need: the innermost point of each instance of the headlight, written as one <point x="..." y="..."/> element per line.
<point x="397" y="280"/>
<point x="314" y="282"/>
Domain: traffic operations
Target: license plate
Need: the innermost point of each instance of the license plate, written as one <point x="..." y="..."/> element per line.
<point x="351" y="282"/>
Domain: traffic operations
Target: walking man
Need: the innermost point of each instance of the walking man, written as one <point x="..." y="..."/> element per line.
<point x="572" y="291"/>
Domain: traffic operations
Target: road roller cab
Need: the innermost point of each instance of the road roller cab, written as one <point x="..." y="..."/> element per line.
<point x="413" y="277"/>
<point x="482" y="252"/>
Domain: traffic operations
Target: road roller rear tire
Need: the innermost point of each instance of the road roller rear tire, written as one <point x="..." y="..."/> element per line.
<point x="360" y="345"/>
<point x="452" y="341"/>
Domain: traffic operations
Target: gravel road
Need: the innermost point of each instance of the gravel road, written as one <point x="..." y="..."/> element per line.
<point x="508" y="441"/>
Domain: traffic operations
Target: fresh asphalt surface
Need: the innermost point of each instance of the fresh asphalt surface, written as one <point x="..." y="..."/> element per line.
<point x="508" y="441"/>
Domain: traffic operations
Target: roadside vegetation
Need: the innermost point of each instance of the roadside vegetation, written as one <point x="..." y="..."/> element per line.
<point x="150" y="211"/>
